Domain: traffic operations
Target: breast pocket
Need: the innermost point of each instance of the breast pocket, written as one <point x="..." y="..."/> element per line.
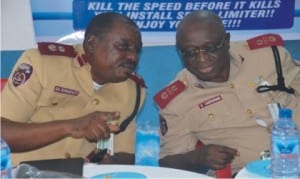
<point x="54" y="105"/>
<point x="216" y="112"/>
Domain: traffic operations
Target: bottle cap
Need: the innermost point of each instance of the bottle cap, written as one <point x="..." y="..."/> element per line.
<point x="285" y="113"/>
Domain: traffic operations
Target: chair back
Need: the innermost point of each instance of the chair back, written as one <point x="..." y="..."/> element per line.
<point x="3" y="82"/>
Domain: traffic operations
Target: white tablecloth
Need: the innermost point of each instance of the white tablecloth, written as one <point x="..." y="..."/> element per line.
<point x="90" y="170"/>
<point x="244" y="174"/>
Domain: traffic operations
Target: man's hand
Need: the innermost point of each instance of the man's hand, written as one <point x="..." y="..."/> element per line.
<point x="95" y="125"/>
<point x="217" y="156"/>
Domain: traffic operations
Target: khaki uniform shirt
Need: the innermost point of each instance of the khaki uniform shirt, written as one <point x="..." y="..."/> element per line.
<point x="227" y="113"/>
<point x="60" y="88"/>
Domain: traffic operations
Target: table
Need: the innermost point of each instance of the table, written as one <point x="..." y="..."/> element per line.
<point x="90" y="170"/>
<point x="256" y="169"/>
<point x="243" y="174"/>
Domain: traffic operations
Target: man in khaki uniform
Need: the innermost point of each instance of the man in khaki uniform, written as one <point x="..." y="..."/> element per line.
<point x="214" y="99"/>
<point x="61" y="99"/>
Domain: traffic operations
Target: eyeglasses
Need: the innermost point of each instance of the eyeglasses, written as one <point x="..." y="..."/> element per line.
<point x="193" y="52"/>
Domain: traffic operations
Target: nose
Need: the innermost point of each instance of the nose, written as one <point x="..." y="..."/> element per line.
<point x="203" y="56"/>
<point x="132" y="56"/>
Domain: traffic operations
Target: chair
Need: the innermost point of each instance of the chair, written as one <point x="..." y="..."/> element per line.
<point x="3" y="82"/>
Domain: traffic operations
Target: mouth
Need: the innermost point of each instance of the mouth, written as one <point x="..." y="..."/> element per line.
<point x="206" y="69"/>
<point x="128" y="67"/>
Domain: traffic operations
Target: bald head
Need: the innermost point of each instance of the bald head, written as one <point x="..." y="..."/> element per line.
<point x="199" y="19"/>
<point x="103" y="23"/>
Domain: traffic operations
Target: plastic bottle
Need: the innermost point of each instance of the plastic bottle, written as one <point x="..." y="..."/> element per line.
<point x="285" y="146"/>
<point x="5" y="160"/>
<point x="147" y="143"/>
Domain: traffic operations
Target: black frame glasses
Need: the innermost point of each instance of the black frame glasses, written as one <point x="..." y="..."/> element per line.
<point x="194" y="52"/>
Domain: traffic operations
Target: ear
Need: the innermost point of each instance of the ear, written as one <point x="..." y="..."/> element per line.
<point x="91" y="43"/>
<point x="227" y="40"/>
<point x="227" y="37"/>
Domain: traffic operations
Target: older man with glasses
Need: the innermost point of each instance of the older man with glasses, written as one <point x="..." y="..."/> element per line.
<point x="220" y="98"/>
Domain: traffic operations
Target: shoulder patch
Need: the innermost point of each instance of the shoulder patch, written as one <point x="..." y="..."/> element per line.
<point x="163" y="97"/>
<point x="81" y="60"/>
<point x="163" y="125"/>
<point x="138" y="79"/>
<point x="50" y="48"/>
<point x="21" y="74"/>
<point x="265" y="40"/>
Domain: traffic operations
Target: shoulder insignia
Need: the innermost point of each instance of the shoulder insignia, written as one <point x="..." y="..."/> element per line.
<point x="50" y="48"/>
<point x="266" y="40"/>
<point x="81" y="59"/>
<point x="138" y="79"/>
<point x="21" y="74"/>
<point x="163" y="125"/>
<point x="163" y="97"/>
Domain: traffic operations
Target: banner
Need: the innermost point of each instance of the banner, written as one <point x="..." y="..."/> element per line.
<point x="165" y="15"/>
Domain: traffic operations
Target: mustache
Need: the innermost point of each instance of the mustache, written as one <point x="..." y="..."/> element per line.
<point x="128" y="63"/>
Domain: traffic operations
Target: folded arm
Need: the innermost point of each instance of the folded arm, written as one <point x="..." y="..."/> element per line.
<point x="211" y="156"/>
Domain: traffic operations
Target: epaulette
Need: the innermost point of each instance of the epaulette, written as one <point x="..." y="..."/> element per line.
<point x="51" y="48"/>
<point x="265" y="40"/>
<point x="81" y="59"/>
<point x="138" y="79"/>
<point x="163" y="97"/>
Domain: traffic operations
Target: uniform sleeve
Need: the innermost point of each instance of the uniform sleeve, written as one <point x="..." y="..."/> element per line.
<point x="290" y="69"/>
<point x="20" y="95"/>
<point x="295" y="84"/>
<point x="292" y="79"/>
<point x="175" y="135"/>
<point x="295" y="81"/>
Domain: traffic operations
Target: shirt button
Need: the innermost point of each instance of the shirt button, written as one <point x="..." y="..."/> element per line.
<point x="249" y="111"/>
<point x="232" y="86"/>
<point x="251" y="84"/>
<point x="269" y="128"/>
<point x="67" y="155"/>
<point x="54" y="103"/>
<point x="211" y="116"/>
<point x="96" y="101"/>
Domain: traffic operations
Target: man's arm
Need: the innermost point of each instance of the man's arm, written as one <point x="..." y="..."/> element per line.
<point x="187" y="161"/>
<point x="23" y="137"/>
<point x="212" y="156"/>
